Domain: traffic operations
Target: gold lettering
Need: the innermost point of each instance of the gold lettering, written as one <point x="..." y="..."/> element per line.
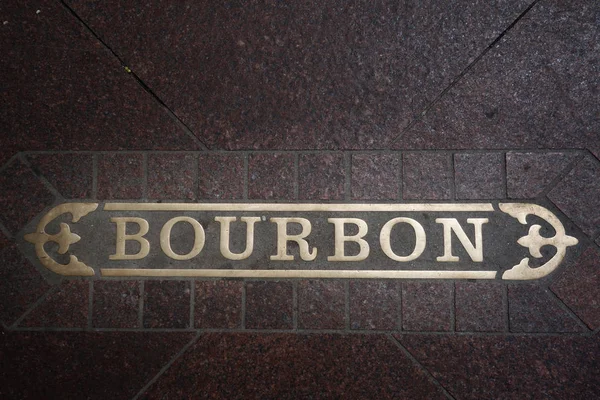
<point x="225" y="230"/>
<point x="165" y="238"/>
<point x="451" y="224"/>
<point x="420" y="239"/>
<point x="283" y="238"/>
<point x="341" y="238"/>
<point x="123" y="237"/>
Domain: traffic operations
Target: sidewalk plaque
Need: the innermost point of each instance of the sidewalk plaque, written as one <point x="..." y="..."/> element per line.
<point x="511" y="241"/>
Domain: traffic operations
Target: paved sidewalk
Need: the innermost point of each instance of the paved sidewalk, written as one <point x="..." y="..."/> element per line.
<point x="300" y="102"/>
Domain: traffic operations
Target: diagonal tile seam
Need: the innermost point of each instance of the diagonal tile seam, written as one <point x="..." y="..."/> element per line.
<point x="574" y="163"/>
<point x="461" y="75"/>
<point x="181" y="352"/>
<point x="58" y="197"/>
<point x="186" y="129"/>
<point x="15" y="325"/>
<point x="420" y="366"/>
<point x="568" y="310"/>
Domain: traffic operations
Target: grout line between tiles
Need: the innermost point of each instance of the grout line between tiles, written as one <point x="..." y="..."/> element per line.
<point x="40" y="177"/>
<point x="506" y="310"/>
<point x="94" y="176"/>
<point x="243" y="313"/>
<point x="568" y="310"/>
<point x="246" y="176"/>
<point x="347" y="304"/>
<point x="32" y="307"/>
<point x="420" y="366"/>
<point x="141" y="306"/>
<point x="167" y="366"/>
<point x="504" y="176"/>
<point x="296" y="175"/>
<point x="452" y="178"/>
<point x="453" y="309"/>
<point x="295" y="304"/>
<point x="459" y="77"/>
<point x="347" y="176"/>
<point x="186" y="129"/>
<point x="145" y="176"/>
<point x="192" y="302"/>
<point x="90" y="304"/>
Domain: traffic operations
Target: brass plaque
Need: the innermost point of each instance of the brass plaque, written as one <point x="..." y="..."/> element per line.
<point x="511" y="241"/>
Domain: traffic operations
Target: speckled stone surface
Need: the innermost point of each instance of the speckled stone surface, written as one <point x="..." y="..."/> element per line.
<point x="426" y="176"/>
<point x="292" y="367"/>
<point x="116" y="304"/>
<point x="374" y="305"/>
<point x="321" y="176"/>
<point x="479" y="176"/>
<point x="172" y="176"/>
<point x="480" y="307"/>
<point x="70" y="174"/>
<point x="298" y="76"/>
<point x="120" y="176"/>
<point x="365" y="167"/>
<point x="221" y="177"/>
<point x="531" y="90"/>
<point x="218" y="304"/>
<point x="167" y="304"/>
<point x="532" y="309"/>
<point x="321" y="304"/>
<point x="529" y="174"/>
<point x="427" y="306"/>
<point x="579" y="287"/>
<point x="269" y="305"/>
<point x="64" y="91"/>
<point x="337" y="101"/>
<point x="64" y="307"/>
<point x="21" y="285"/>
<point x="22" y="197"/>
<point x="578" y="195"/>
<point x="271" y="176"/>
<point x="83" y="365"/>
<point x="472" y="367"/>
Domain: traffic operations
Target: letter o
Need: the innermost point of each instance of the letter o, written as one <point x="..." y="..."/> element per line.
<point x="420" y="239"/>
<point x="165" y="238"/>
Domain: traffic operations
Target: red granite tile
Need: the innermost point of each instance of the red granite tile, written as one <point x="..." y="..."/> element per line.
<point x="579" y="287"/>
<point x="218" y="304"/>
<point x="67" y="92"/>
<point x="375" y="176"/>
<point x="269" y="305"/>
<point x="479" y="176"/>
<point x="22" y="196"/>
<point x="70" y="174"/>
<point x="510" y="367"/>
<point x="271" y="176"/>
<point x="426" y="176"/>
<point x="321" y="304"/>
<point x="116" y="304"/>
<point x="221" y="176"/>
<point x="530" y="91"/>
<point x="172" y="176"/>
<point x="531" y="309"/>
<point x="480" y="307"/>
<point x="299" y="76"/>
<point x="65" y="307"/>
<point x="596" y="152"/>
<point x="427" y="306"/>
<point x="374" y="305"/>
<point x="287" y="366"/>
<point x="529" y="174"/>
<point x="321" y="176"/>
<point x="20" y="283"/>
<point x="166" y="304"/>
<point x="83" y="365"/>
<point x="120" y="176"/>
<point x="578" y="195"/>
